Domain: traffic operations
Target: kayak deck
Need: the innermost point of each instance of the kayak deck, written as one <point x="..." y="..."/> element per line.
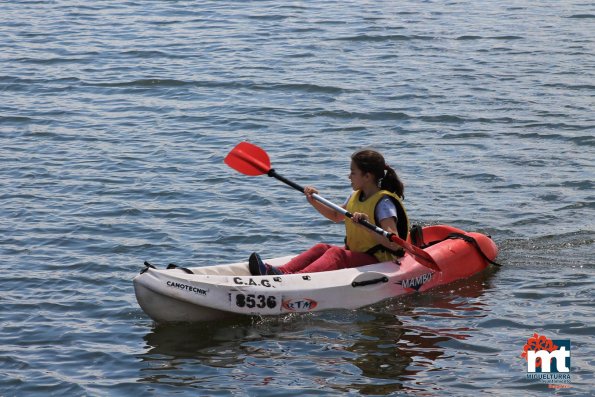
<point x="214" y="292"/>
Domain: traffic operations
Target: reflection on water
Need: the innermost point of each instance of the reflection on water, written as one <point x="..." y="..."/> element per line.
<point x="377" y="350"/>
<point x="396" y="348"/>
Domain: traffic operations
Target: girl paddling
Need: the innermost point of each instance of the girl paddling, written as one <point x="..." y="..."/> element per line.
<point x="377" y="196"/>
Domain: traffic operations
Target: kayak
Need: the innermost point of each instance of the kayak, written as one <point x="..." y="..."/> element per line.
<point x="209" y="293"/>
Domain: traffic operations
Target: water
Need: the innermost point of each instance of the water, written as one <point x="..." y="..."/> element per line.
<point x="115" y="118"/>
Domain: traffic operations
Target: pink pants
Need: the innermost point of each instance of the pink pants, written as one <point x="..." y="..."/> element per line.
<point x="325" y="257"/>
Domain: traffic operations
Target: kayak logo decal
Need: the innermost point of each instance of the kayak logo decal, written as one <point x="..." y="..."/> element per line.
<point x="264" y="282"/>
<point x="299" y="305"/>
<point x="415" y="283"/>
<point x="186" y="287"/>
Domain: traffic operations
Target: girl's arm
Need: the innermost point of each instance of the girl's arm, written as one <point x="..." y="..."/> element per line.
<point x="323" y="209"/>
<point x="388" y="224"/>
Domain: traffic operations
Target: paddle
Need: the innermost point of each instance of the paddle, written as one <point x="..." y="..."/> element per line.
<point x="251" y="160"/>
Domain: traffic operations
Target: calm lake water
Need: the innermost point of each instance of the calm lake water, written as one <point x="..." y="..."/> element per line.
<point x="115" y="118"/>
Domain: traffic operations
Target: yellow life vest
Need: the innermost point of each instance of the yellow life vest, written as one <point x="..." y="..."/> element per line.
<point x="361" y="241"/>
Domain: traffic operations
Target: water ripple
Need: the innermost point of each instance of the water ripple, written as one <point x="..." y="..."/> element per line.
<point x="114" y="122"/>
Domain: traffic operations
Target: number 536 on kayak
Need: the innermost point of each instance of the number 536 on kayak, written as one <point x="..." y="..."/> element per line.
<point x="255" y="303"/>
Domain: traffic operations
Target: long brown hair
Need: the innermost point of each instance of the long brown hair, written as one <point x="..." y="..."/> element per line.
<point x="371" y="161"/>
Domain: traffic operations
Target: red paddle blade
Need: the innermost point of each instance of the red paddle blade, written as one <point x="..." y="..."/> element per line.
<point x="248" y="159"/>
<point x="423" y="257"/>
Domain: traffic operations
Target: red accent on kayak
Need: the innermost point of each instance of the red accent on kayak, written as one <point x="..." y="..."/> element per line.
<point x="456" y="258"/>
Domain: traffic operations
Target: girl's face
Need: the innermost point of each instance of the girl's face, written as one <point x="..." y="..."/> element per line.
<point x="358" y="178"/>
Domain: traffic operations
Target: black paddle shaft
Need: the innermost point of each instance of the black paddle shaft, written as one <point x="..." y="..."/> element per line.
<point x="294" y="185"/>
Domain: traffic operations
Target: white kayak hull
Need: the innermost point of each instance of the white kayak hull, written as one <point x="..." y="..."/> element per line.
<point x="215" y="292"/>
